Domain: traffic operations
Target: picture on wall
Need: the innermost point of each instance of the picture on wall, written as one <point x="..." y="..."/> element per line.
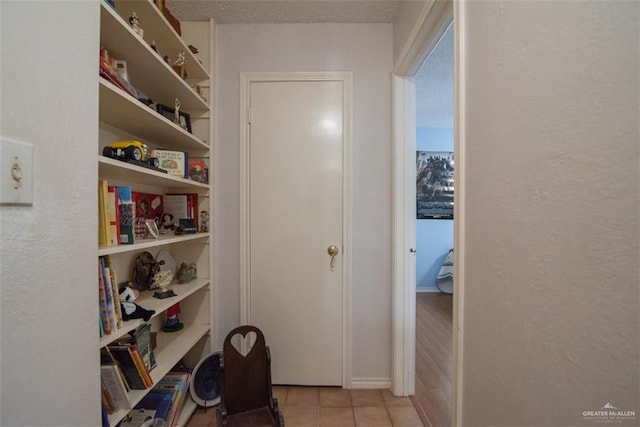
<point x="434" y="185"/>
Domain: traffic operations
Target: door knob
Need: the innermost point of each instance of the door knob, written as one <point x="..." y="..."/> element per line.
<point x="333" y="251"/>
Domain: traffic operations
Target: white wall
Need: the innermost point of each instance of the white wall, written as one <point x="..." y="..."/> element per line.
<point x="552" y="194"/>
<point x="49" y="366"/>
<point x="365" y="49"/>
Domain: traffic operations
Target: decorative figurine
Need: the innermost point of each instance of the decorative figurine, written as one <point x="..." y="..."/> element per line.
<point x="134" y="21"/>
<point x="176" y="117"/>
<point x="161" y="280"/>
<point x="179" y="65"/>
<point x="187" y="273"/>
<point x="204" y="221"/>
<point x="173" y="324"/>
<point x="153" y="46"/>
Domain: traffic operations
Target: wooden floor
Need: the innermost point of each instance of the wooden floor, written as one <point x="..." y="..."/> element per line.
<point x="434" y="359"/>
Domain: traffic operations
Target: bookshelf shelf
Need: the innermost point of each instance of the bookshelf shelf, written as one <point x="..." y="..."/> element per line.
<point x="123" y="117"/>
<point x="117" y="170"/>
<point x="122" y="111"/>
<point x="146" y="69"/>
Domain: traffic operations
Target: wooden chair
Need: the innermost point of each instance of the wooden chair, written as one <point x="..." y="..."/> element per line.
<point x="245" y="382"/>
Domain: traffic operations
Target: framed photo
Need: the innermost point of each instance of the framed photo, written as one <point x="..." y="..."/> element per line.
<point x="183" y="119"/>
<point x="434" y="185"/>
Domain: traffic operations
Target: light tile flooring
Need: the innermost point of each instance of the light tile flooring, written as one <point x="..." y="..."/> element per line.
<point x="333" y="407"/>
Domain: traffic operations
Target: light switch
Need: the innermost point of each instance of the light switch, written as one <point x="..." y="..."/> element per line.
<point x="16" y="173"/>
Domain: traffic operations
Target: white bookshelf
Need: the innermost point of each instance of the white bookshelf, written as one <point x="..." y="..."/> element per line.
<point x="123" y="117"/>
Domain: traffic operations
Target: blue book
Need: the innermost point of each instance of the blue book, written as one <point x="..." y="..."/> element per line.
<point x="158" y="401"/>
<point x="126" y="211"/>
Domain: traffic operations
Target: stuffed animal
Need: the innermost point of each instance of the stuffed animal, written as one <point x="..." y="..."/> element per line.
<point x="131" y="310"/>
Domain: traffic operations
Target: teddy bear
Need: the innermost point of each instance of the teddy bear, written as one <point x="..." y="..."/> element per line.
<point x="131" y="310"/>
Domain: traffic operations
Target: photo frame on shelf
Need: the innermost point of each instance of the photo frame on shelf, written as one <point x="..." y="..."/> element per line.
<point x="170" y="114"/>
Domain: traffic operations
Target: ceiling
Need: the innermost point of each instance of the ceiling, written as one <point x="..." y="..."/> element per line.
<point x="434" y="80"/>
<point x="284" y="11"/>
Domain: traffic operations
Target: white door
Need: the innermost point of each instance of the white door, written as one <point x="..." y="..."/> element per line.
<point x="295" y="214"/>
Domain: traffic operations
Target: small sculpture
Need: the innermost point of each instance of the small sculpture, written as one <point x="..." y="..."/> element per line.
<point x="204" y="221"/>
<point x="173" y="324"/>
<point x="176" y="117"/>
<point x="187" y="273"/>
<point x="179" y="65"/>
<point x="161" y="280"/>
<point x="134" y="21"/>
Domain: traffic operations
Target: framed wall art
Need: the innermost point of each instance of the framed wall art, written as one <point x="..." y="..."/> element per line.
<point x="434" y="184"/>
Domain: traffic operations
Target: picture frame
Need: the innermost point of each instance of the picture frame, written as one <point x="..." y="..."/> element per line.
<point x="170" y="114"/>
<point x="434" y="184"/>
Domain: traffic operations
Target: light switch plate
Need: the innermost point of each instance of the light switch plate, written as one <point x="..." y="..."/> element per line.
<point x="16" y="173"/>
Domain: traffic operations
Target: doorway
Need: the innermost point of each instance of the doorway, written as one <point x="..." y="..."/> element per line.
<point x="436" y="17"/>
<point x="295" y="221"/>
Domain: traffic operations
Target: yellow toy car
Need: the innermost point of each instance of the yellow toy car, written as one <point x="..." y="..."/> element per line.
<point x="131" y="150"/>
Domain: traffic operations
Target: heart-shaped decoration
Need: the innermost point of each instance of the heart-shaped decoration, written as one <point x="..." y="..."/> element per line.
<point x="244" y="343"/>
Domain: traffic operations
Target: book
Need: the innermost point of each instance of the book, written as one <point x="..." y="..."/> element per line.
<point x="174" y="162"/>
<point x="105" y="326"/>
<point x="147" y="206"/>
<point x="127" y="214"/>
<point x="116" y="292"/>
<point x="158" y="402"/>
<point x="198" y="170"/>
<point x="137" y="417"/>
<point x="140" y="366"/>
<point x="111" y="309"/>
<point x="113" y="227"/>
<point x="142" y="337"/>
<point x="103" y="216"/>
<point x="114" y="387"/>
<point x="124" y="360"/>
<point x="174" y="384"/>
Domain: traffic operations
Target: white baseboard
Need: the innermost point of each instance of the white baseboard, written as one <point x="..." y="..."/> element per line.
<point x="429" y="289"/>
<point x="371" y="383"/>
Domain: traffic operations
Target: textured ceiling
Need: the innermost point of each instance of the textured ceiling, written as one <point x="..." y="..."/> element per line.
<point x="284" y="11"/>
<point x="434" y="86"/>
<point x="434" y="80"/>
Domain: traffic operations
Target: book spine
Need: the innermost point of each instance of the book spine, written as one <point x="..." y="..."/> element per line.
<point x="111" y="310"/>
<point x="104" y="317"/>
<point x="127" y="215"/>
<point x="112" y="230"/>
<point x="103" y="239"/>
<point x="116" y="292"/>
<point x="142" y="368"/>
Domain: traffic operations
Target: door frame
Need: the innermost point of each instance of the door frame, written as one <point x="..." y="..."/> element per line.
<point x="432" y="23"/>
<point x="246" y="79"/>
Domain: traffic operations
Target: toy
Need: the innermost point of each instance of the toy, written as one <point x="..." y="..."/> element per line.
<point x="172" y="323"/>
<point x="131" y="310"/>
<point x="133" y="151"/>
<point x="134" y="21"/>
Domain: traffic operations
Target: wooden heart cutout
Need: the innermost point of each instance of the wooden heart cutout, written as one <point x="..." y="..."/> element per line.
<point x="244" y="343"/>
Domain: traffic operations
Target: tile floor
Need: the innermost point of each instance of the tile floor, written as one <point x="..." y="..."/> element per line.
<point x="333" y="407"/>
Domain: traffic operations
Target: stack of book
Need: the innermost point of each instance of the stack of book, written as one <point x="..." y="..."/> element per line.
<point x="165" y="399"/>
<point x="109" y="302"/>
<point x="115" y="214"/>
<point x="126" y="365"/>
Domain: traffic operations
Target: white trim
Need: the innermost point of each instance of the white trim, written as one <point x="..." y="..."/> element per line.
<point x="403" y="297"/>
<point x="457" y="404"/>
<point x="431" y="25"/>
<point x="347" y="185"/>
<point x="428" y="290"/>
<point x="371" y="383"/>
